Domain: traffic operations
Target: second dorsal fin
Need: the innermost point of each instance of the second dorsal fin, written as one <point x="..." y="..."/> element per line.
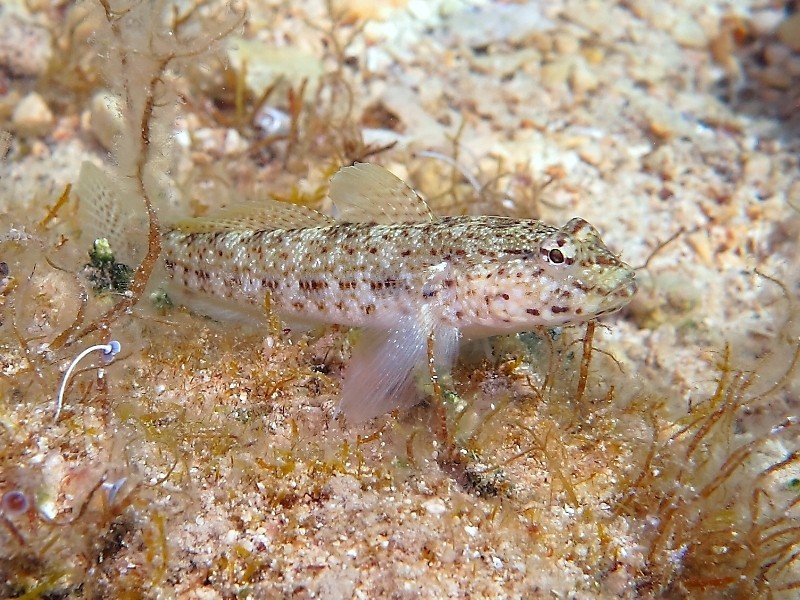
<point x="367" y="192"/>
<point x="256" y="216"/>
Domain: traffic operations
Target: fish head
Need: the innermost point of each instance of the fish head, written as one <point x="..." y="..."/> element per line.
<point x="555" y="276"/>
<point x="577" y="259"/>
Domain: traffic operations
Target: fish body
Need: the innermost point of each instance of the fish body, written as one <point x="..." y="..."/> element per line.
<point x="482" y="275"/>
<point x="391" y="267"/>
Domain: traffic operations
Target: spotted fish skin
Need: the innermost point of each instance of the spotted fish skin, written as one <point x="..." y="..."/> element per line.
<point x="413" y="282"/>
<point x="481" y="275"/>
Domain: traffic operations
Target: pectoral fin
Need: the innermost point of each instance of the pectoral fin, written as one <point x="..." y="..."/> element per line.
<point x="380" y="376"/>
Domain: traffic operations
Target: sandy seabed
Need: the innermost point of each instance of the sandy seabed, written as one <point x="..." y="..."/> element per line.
<point x="203" y="462"/>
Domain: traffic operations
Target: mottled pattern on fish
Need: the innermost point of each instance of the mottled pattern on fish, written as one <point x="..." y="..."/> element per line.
<point x="389" y="266"/>
<point x="482" y="275"/>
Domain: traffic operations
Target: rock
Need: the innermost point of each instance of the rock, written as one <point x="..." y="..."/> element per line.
<point x="32" y="116"/>
<point x="757" y="168"/>
<point x="789" y="32"/>
<point x="106" y="118"/>
<point x="555" y="74"/>
<point x="24" y="48"/>
<point x="765" y="21"/>
<point x="776" y="77"/>
<point x="793" y="66"/>
<point x="793" y="196"/>
<point x="591" y="153"/>
<point x="688" y="32"/>
<point x="583" y="78"/>
<point x="514" y="24"/>
<point x="266" y="64"/>
<point x="662" y="162"/>
<point x="434" y="507"/>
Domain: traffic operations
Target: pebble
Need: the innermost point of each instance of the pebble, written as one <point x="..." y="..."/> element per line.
<point x="793" y="66"/>
<point x="776" y="77"/>
<point x="765" y="21"/>
<point x="566" y="43"/>
<point x="757" y="168"/>
<point x="513" y="24"/>
<point x="234" y="143"/>
<point x="505" y="64"/>
<point x="32" y="116"/>
<point x="205" y="593"/>
<point x="701" y="245"/>
<point x="595" y="16"/>
<point x="688" y="32"/>
<point x="591" y="153"/>
<point x="24" y="48"/>
<point x="583" y="78"/>
<point x="662" y="162"/>
<point x="657" y="13"/>
<point x="5" y="143"/>
<point x="267" y="64"/>
<point x="555" y="73"/>
<point x="789" y="32"/>
<point x="793" y="196"/>
<point x="422" y="10"/>
<point x="434" y="507"/>
<point x="776" y="54"/>
<point x="106" y="118"/>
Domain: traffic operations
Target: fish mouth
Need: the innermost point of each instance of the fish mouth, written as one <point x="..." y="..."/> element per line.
<point x="621" y="294"/>
<point x="627" y="288"/>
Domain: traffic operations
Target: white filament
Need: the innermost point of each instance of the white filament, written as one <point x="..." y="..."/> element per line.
<point x="109" y="351"/>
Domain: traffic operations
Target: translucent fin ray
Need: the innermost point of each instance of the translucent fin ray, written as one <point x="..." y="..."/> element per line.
<point x="368" y="193"/>
<point x="263" y="215"/>
<point x="380" y="376"/>
<point x="106" y="209"/>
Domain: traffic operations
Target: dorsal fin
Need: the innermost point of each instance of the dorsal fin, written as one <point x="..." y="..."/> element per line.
<point x="367" y="192"/>
<point x="257" y="216"/>
<point x="107" y="209"/>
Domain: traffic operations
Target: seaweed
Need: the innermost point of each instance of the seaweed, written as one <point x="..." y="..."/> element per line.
<point x="703" y="530"/>
<point x="145" y="43"/>
<point x="103" y="272"/>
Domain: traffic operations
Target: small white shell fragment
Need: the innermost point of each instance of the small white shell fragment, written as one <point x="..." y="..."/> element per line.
<point x="234" y="144"/>
<point x="434" y="506"/>
<point x="272" y="121"/>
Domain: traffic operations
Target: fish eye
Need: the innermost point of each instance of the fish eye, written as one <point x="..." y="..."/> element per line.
<point x="559" y="249"/>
